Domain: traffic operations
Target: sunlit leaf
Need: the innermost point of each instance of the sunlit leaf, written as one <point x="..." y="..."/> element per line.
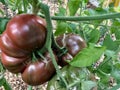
<point x="109" y="43"/>
<point x="73" y="6"/>
<point x="87" y="56"/>
<point x="62" y="27"/>
<point x="3" y="23"/>
<point x="116" y="74"/>
<point x="94" y="36"/>
<point x="88" y="85"/>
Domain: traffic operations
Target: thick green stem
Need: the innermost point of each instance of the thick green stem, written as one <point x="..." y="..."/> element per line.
<point x="45" y="8"/>
<point x="74" y="83"/>
<point x="48" y="42"/>
<point x="56" y="67"/>
<point x="85" y="18"/>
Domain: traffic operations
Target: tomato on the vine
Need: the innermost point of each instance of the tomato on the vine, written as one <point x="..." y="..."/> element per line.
<point x="40" y="71"/>
<point x="73" y="43"/>
<point x="23" y="35"/>
<point x="14" y="64"/>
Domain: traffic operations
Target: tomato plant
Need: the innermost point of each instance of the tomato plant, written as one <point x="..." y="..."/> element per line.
<point x="79" y="24"/>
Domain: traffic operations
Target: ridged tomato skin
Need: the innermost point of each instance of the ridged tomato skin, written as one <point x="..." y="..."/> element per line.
<point x="14" y="65"/>
<point x="27" y="31"/>
<point x="73" y="43"/>
<point x="39" y="71"/>
<point x="24" y="34"/>
<point x="7" y="46"/>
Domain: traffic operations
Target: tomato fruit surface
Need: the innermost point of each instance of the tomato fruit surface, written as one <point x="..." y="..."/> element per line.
<point x="39" y="71"/>
<point x="73" y="43"/>
<point x="24" y="35"/>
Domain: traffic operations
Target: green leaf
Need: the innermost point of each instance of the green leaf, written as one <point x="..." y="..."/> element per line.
<point x="73" y="76"/>
<point x="29" y="88"/>
<point x="1" y="12"/>
<point x="62" y="27"/>
<point x="115" y="28"/>
<point x="3" y="23"/>
<point x="2" y="1"/>
<point x="73" y="6"/>
<point x="62" y="12"/>
<point x="2" y="81"/>
<point x="116" y="87"/>
<point x="104" y="79"/>
<point x="87" y="56"/>
<point x="106" y="65"/>
<point x="94" y="36"/>
<point x="6" y="85"/>
<point x="109" y="43"/>
<point x="88" y="85"/>
<point x="116" y="74"/>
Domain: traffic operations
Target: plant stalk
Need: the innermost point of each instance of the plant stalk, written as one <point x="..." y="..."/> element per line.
<point x="85" y="18"/>
<point x="49" y="40"/>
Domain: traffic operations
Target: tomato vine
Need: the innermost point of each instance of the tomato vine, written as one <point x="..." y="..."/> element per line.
<point x="49" y="40"/>
<point x="85" y="18"/>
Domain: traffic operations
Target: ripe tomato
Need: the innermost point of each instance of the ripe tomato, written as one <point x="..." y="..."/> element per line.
<point x="39" y="72"/>
<point x="24" y="34"/>
<point x="73" y="43"/>
<point x="13" y="64"/>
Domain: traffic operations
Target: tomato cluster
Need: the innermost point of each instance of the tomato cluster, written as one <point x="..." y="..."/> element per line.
<point x="24" y="37"/>
<point x="73" y="44"/>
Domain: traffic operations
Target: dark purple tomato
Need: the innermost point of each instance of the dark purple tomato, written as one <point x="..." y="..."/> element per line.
<point x="8" y="47"/>
<point x="39" y="71"/>
<point x="73" y="43"/>
<point x="27" y="31"/>
<point x="24" y="34"/>
<point x="64" y="58"/>
<point x="14" y="65"/>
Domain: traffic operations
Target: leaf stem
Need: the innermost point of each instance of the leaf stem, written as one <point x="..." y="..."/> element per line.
<point x="56" y="67"/>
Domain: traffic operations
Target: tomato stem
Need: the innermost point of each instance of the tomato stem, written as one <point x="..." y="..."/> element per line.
<point x="33" y="57"/>
<point x="56" y="67"/>
<point x="35" y="8"/>
<point x="39" y="53"/>
<point x="45" y="8"/>
<point x="48" y="42"/>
